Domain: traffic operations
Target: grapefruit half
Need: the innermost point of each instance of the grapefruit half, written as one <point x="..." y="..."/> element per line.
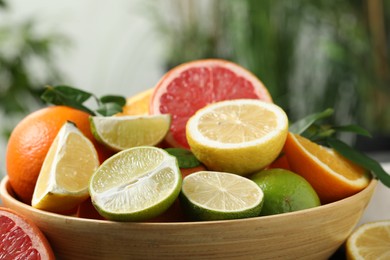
<point x="190" y="86"/>
<point x="20" y="238"/>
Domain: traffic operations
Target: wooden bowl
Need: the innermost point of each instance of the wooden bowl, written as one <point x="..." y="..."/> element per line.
<point x="308" y="234"/>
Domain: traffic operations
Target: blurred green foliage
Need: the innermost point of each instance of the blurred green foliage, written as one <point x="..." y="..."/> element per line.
<point x="27" y="64"/>
<point x="310" y="54"/>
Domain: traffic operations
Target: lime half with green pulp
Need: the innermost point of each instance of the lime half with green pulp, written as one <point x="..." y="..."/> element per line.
<point x="136" y="184"/>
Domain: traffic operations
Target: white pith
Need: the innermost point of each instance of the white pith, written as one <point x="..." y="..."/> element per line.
<point x="280" y="116"/>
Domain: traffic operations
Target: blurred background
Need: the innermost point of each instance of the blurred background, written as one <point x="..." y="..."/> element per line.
<point x="310" y="54"/>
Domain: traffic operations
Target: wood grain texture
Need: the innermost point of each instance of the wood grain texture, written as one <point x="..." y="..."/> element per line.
<point x="308" y="234"/>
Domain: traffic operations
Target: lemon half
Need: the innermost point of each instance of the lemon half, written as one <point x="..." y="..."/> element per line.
<point x="239" y="136"/>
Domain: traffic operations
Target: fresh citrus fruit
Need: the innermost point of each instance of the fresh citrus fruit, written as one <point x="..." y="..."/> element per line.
<point x="30" y="140"/>
<point x="136" y="184"/>
<point x="187" y="88"/>
<point x="87" y="210"/>
<point x="186" y="160"/>
<point x="331" y="175"/>
<point x="209" y="195"/>
<point x="280" y="163"/>
<point x="239" y="136"/>
<point x="64" y="177"/>
<point x="370" y="241"/>
<point x="174" y="213"/>
<point x="187" y="171"/>
<point x="285" y="191"/>
<point x="20" y="238"/>
<point x="120" y="133"/>
<point x="138" y="104"/>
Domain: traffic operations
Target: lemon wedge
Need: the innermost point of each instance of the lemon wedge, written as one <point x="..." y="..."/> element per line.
<point x="63" y="181"/>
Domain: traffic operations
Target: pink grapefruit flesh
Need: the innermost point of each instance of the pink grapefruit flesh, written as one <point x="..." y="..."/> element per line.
<point x="190" y="86"/>
<point x="21" y="239"/>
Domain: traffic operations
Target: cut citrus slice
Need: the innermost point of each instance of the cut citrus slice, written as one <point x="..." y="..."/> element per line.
<point x="331" y="175"/>
<point x="191" y="86"/>
<point x="136" y="184"/>
<point x="64" y="177"/>
<point x="138" y="104"/>
<point x="370" y="241"/>
<point x="208" y="195"/>
<point x="239" y="136"/>
<point x="122" y="132"/>
<point x="20" y="238"/>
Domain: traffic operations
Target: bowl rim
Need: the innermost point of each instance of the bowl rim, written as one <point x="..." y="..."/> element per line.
<point x="5" y="187"/>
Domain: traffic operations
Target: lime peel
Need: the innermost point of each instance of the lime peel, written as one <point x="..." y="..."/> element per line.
<point x="285" y="191"/>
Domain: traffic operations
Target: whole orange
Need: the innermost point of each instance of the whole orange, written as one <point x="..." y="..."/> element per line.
<point x="30" y="141"/>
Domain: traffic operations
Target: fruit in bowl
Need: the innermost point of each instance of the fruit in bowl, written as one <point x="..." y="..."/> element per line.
<point x="314" y="233"/>
<point x="232" y="137"/>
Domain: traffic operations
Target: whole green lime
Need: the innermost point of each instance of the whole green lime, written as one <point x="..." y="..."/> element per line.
<point x="285" y="191"/>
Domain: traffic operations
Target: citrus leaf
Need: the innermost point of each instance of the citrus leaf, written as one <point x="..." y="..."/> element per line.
<point x="353" y="129"/>
<point x="360" y="159"/>
<point x="67" y="96"/>
<point x="120" y="100"/>
<point x="185" y="158"/>
<point x="109" y="109"/>
<point x="75" y="94"/>
<point x="323" y="134"/>
<point x="301" y="125"/>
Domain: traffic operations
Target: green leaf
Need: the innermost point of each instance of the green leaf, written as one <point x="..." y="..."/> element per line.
<point x="185" y="158"/>
<point x="323" y="134"/>
<point x="77" y="95"/>
<point x="301" y="125"/>
<point x="120" y="100"/>
<point x="3" y="4"/>
<point x="353" y="129"/>
<point x="360" y="159"/>
<point x="109" y="109"/>
<point x="67" y="96"/>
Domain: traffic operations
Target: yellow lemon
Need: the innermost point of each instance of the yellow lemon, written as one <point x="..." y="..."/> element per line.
<point x="238" y="136"/>
<point x="63" y="181"/>
<point x="370" y="241"/>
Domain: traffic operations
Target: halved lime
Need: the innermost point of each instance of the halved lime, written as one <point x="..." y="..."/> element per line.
<point x="209" y="195"/>
<point x="64" y="177"/>
<point x="122" y="132"/>
<point x="136" y="184"/>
